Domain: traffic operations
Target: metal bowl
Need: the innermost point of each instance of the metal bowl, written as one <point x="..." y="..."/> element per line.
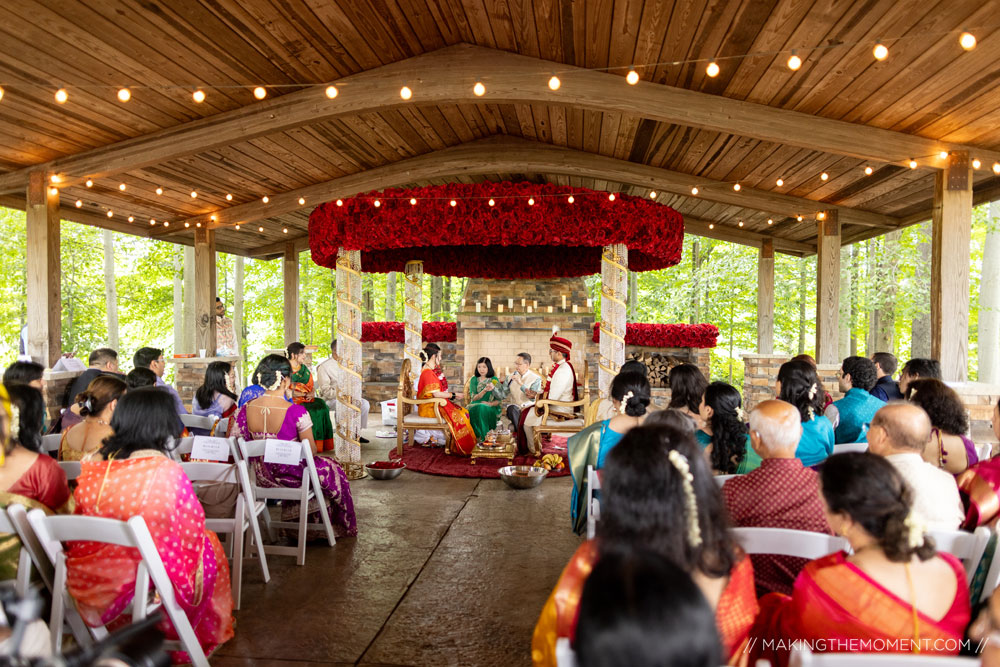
<point x="522" y="477"/>
<point x="384" y="473"/>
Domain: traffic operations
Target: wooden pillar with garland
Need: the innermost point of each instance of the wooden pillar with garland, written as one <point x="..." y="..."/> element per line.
<point x="347" y="446"/>
<point x="614" y="289"/>
<point x="413" y="324"/>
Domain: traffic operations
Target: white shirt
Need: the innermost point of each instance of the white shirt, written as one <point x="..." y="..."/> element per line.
<point x="935" y="493"/>
<point x="530" y="380"/>
<point x="561" y="386"/>
<point x="327" y="379"/>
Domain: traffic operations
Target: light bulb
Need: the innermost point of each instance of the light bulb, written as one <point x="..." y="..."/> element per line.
<point x="570" y="199"/>
<point x="152" y="221"/>
<point x="54" y="178"/>
<point x="711" y="226"/>
<point x="284" y="230"/>
<point x="611" y="197"/>
<point x="229" y="197"/>
<point x="237" y="228"/>
<point x="770" y="221"/>
<point x="491" y="202"/>
<point x="194" y="194"/>
<point x="821" y="216"/>
<point x="62" y="96"/>
<point x="331" y="92"/>
<point x="943" y="155"/>
<point x="89" y="183"/>
<point x="453" y="202"/>
<point x="531" y="201"/>
<point x="694" y="191"/>
<point x="302" y="201"/>
<point x="794" y="63"/>
<point x="881" y="52"/>
<point x="79" y="204"/>
<point x="712" y="70"/>
<point x="479" y="89"/>
<point x="996" y="167"/>
<point x="737" y="186"/>
<point x="187" y="224"/>
<point x="632" y="77"/>
<point x="740" y="224"/>
<point x="159" y="191"/>
<point x="913" y="164"/>
<point x="340" y="202"/>
<point x="824" y="176"/>
<point x="967" y="40"/>
<point x="260" y="92"/>
<point x="131" y="218"/>
<point x="111" y="214"/>
<point x="976" y="164"/>
<point x="1" y="92"/>
<point x="554" y="83"/>
<point x="652" y="195"/>
<point x="198" y="96"/>
<point x="122" y="186"/>
<point x="124" y="95"/>
<point x="779" y="182"/>
<point x="799" y="218"/>
<point x="198" y="225"/>
<point x="265" y="199"/>
<point x="54" y="192"/>
<point x="377" y="203"/>
<point x="868" y="171"/>
<point x="405" y="93"/>
<point x="413" y="202"/>
<point x="260" y="229"/>
<point x="212" y="218"/>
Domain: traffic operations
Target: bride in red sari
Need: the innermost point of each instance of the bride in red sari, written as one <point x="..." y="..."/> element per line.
<point x="433" y="384"/>
<point x="894" y="594"/>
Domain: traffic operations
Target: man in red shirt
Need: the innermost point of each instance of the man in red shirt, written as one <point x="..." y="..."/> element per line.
<point x="781" y="493"/>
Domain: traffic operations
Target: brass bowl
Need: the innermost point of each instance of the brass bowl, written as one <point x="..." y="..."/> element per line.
<point x="522" y="477"/>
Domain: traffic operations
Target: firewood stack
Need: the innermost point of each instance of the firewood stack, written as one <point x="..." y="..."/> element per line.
<point x="657" y="366"/>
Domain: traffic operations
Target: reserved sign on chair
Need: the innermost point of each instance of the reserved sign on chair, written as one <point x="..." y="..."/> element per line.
<point x="206" y="448"/>
<point x="282" y="451"/>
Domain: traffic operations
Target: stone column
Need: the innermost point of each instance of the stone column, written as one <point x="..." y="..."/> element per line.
<point x="42" y="260"/>
<point x="765" y="298"/>
<point x="413" y="323"/>
<point x="827" y="287"/>
<point x="614" y="289"/>
<point x="347" y="446"/>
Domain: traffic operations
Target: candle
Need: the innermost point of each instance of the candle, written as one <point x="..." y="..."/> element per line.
<point x="463" y="304"/>
<point x="510" y="304"/>
<point x="529" y="309"/>
<point x="590" y="304"/>
<point x="506" y="370"/>
<point x="564" y="301"/>
<point x="522" y="303"/>
<point x="550" y="309"/>
<point x="479" y="307"/>
<point x="574" y="307"/>
<point x="488" y="298"/>
<point x="536" y="303"/>
<point x="500" y="308"/>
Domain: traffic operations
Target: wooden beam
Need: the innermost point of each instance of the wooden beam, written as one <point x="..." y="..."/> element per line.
<point x="290" y="274"/>
<point x="828" y="288"/>
<point x="985" y="193"/>
<point x="444" y="77"/>
<point x="950" y="241"/>
<point x="204" y="291"/>
<point x="44" y="290"/>
<point x="510" y="154"/>
<point x="765" y="298"/>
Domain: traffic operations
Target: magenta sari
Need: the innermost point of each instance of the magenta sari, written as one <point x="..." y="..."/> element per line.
<point x="336" y="490"/>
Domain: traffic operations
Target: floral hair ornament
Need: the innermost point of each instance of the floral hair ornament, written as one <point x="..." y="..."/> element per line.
<point x="742" y="415"/>
<point x="423" y="357"/>
<point x="625" y="400"/>
<point x="680" y="462"/>
<point x="915" y="531"/>
<point x="812" y="394"/>
<point x="230" y="385"/>
<point x="277" y="382"/>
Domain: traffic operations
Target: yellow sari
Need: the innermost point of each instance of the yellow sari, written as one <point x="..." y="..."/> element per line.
<point x="457" y="418"/>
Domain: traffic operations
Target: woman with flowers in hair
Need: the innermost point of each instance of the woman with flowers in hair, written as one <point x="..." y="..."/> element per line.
<point x="96" y="405"/>
<point x="894" y="590"/>
<point x="270" y="415"/>
<point x="433" y="384"/>
<point x="658" y="495"/>
<point x="304" y="394"/>
<point x="725" y="437"/>
<point x="799" y="385"/>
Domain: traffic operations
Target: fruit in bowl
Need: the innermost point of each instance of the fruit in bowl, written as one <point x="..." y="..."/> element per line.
<point x="550" y="462"/>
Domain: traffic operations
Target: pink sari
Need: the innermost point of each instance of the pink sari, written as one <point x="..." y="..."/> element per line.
<point x="101" y="577"/>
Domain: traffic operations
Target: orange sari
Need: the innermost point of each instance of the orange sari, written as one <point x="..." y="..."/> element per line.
<point x="734" y="615"/>
<point x="836" y="607"/>
<point x="457" y="418"/>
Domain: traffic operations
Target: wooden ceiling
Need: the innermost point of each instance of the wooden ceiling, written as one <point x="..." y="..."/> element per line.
<point x="756" y="122"/>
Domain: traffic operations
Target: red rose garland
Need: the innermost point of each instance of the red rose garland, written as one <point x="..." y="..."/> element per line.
<point x="393" y="332"/>
<point x="667" y="335"/>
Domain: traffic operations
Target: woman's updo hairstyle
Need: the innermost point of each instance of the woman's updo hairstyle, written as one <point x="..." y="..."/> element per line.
<point x="868" y="489"/>
<point x="729" y="432"/>
<point x="801" y="387"/>
<point x="635" y="384"/>
<point x="294" y="348"/>
<point x="268" y="370"/>
<point x="429" y="351"/>
<point x="27" y="431"/>
<point x="101" y="391"/>
<point x="687" y="386"/>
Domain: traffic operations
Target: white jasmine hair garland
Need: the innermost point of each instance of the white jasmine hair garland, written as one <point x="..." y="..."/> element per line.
<point x="680" y="462"/>
<point x="624" y="403"/>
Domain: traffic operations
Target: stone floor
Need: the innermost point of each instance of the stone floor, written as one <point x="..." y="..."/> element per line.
<point x="444" y="571"/>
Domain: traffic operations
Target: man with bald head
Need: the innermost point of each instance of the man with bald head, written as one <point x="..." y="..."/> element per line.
<point x="781" y="493"/>
<point x="899" y="432"/>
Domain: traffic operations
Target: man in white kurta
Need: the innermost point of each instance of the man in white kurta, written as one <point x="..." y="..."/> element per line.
<point x="561" y="386"/>
<point x="328" y="379"/>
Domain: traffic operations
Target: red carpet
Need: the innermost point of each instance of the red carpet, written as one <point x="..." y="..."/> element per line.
<point x="433" y="461"/>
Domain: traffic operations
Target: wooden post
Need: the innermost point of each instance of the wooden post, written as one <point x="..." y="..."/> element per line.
<point x="44" y="290"/>
<point x="189" y="308"/>
<point x="347" y="446"/>
<point x="614" y="291"/>
<point x="950" y="241"/>
<point x="204" y="291"/>
<point x="765" y="298"/>
<point x="827" y="287"/>
<point x="290" y="264"/>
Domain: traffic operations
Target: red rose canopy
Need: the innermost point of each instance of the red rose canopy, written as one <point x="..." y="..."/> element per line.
<point x="552" y="238"/>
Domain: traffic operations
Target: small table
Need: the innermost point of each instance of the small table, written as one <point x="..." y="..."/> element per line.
<point x="499" y="452"/>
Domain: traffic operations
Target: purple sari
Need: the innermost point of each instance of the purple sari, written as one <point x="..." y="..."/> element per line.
<point x="336" y="490"/>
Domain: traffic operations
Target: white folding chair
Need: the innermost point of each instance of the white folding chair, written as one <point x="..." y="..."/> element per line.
<point x="71" y="468"/>
<point x="50" y="444"/>
<point x="309" y="489"/>
<point x="593" y="502"/>
<point x="52" y="531"/>
<point x="992" y="575"/>
<point x="805" y="658"/>
<point x="984" y="451"/>
<point x="222" y="427"/>
<point x="850" y="447"/>
<point x="197" y="421"/>
<point x="967" y="547"/>
<point x="235" y="527"/>
<point x="565" y="656"/>
<point x="788" y="542"/>
<point x="179" y="447"/>
<point x="721" y="479"/>
<point x="23" y="581"/>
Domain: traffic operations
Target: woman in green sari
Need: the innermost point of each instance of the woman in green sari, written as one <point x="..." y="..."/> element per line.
<point x="304" y="394"/>
<point x="485" y="392"/>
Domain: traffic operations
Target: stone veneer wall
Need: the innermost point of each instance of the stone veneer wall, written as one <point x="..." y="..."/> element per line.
<point x="761" y="370"/>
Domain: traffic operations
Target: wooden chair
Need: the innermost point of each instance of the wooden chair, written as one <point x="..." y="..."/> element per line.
<point x="407" y="419"/>
<point x="549" y="424"/>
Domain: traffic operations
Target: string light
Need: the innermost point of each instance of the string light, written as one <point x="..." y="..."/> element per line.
<point x="122" y="186"/>
<point x="943" y="155"/>
<point x="54" y="192"/>
<point x="131" y="219"/>
<point x="713" y="69"/>
<point x="479" y="89"/>
<point x="198" y="225"/>
<point x="124" y="95"/>
<point x="260" y="92"/>
<point x="405" y="93"/>
<point x="824" y="176"/>
<point x="1" y="92"/>
<point x="89" y="183"/>
<point x="54" y="178"/>
<point x="996" y="167"/>
<point x="302" y="201"/>
<point x="821" y="215"/>
<point x="881" y="51"/>
<point x="187" y="224"/>
<point x="554" y="83"/>
<point x="611" y="197"/>
<point x="159" y="191"/>
<point x="454" y="203"/>
<point x="632" y="77"/>
<point x="265" y="199"/>
<point x="779" y="182"/>
<point x="491" y="202"/>
<point x="331" y="92"/>
<point x="194" y="194"/>
<point x="152" y="221"/>
<point x="62" y="96"/>
<point x="976" y="164"/>
<point x="770" y="221"/>
<point x="868" y="171"/>
<point x="531" y="201"/>
<point x="794" y="62"/>
<point x="967" y="40"/>
<point x="260" y="229"/>
<point x="198" y="96"/>
<point x="740" y="223"/>
<point x="212" y="218"/>
<point x="229" y="197"/>
<point x="913" y="163"/>
<point x="237" y="228"/>
<point x="652" y="195"/>
<point x="340" y="202"/>
<point x="711" y="226"/>
<point x="79" y="204"/>
<point x="284" y="230"/>
<point x="694" y="191"/>
<point x="413" y="202"/>
<point x="377" y="203"/>
<point x="799" y="218"/>
<point x="568" y="199"/>
<point x="737" y="186"/>
<point x="111" y="214"/>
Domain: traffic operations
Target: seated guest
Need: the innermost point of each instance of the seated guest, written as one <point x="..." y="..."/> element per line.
<point x="485" y="392"/>
<point x="522" y="386"/>
<point x="885" y="389"/>
<point x="271" y="416"/>
<point x="894" y="587"/>
<point x="949" y="446"/>
<point x="102" y="361"/>
<point x="900" y="432"/>
<point x="981" y="484"/>
<point x="724" y="436"/>
<point x="152" y="358"/>
<point x="781" y="493"/>
<point x="639" y="610"/>
<point x="27" y="476"/>
<point x="657" y="494"/>
<point x="329" y="378"/>
<point x="630" y="397"/>
<point x="215" y="397"/>
<point x="560" y="385"/>
<point x="687" y="386"/>
<point x="852" y="414"/>
<point x="799" y="385"/>
<point x="97" y="407"/>
<point x="131" y="475"/>
<point x="605" y="408"/>
<point x="140" y="377"/>
<point x="304" y="394"/>
<point x="432" y="383"/>
<point x="225" y="337"/>
<point x="26" y="372"/>
<point x="827" y="398"/>
<point x="918" y="369"/>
